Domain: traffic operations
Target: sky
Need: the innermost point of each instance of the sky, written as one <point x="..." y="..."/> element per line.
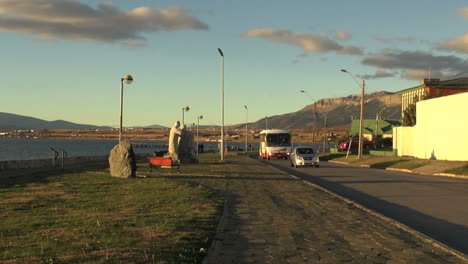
<point x="64" y="59"/>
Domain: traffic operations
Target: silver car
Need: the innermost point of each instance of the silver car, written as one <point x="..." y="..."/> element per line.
<point x="302" y="156"/>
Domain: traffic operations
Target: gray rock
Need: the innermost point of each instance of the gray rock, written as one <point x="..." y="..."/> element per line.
<point x="122" y="161"/>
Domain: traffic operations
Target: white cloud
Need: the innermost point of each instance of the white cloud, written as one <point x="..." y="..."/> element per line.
<point x="380" y="73"/>
<point x="67" y="19"/>
<point x="342" y="35"/>
<point x="463" y="12"/>
<point x="308" y="42"/>
<point x="459" y="44"/>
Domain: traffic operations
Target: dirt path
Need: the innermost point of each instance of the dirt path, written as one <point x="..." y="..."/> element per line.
<point x="272" y="217"/>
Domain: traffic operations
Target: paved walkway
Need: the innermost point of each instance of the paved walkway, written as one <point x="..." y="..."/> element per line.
<point x="273" y="217"/>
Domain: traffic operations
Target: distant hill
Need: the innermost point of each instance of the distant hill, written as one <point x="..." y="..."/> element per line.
<point x="339" y="111"/>
<point x="12" y="121"/>
<point x="155" y="126"/>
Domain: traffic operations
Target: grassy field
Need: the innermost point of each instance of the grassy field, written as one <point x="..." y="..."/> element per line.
<point x="91" y="217"/>
<point x="460" y="171"/>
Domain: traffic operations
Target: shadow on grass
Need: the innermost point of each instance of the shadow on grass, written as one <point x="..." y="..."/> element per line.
<point x="331" y="156"/>
<point x="386" y="164"/>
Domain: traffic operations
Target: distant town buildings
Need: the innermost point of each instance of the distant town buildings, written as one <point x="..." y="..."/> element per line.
<point x="434" y="88"/>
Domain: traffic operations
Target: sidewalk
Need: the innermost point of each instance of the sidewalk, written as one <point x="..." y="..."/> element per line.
<point x="435" y="167"/>
<point x="273" y="217"/>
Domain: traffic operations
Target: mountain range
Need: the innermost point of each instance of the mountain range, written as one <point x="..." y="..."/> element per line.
<point x="338" y="112"/>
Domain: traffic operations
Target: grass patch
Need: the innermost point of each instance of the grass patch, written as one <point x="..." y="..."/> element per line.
<point x="91" y="217"/>
<point x="386" y="164"/>
<point x="353" y="158"/>
<point x="459" y="171"/>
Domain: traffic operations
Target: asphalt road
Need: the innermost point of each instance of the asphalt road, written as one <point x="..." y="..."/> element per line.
<point x="433" y="205"/>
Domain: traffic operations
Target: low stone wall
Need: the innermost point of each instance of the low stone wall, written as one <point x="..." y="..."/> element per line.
<point x="68" y="162"/>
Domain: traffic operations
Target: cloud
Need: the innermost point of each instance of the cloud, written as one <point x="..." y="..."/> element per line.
<point x="421" y="74"/>
<point x="342" y="35"/>
<point x="413" y="63"/>
<point x="380" y="73"/>
<point x="67" y="19"/>
<point x="463" y="12"/>
<point x="309" y="42"/>
<point x="409" y="40"/>
<point x="459" y="44"/>
<point x="351" y="50"/>
<point x="134" y="45"/>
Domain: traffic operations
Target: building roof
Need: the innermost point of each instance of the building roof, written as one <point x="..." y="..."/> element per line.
<point x="385" y="126"/>
<point x="457" y="83"/>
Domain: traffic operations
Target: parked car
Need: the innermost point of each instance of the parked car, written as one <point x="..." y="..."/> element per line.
<point x="302" y="156"/>
<point x="355" y="144"/>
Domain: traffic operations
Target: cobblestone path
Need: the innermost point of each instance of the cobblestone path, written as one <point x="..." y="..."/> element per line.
<point x="273" y="217"/>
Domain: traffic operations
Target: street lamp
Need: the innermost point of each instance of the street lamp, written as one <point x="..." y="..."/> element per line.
<point x="266" y="122"/>
<point x="377" y="118"/>
<point x="198" y="124"/>
<point x="246" y="121"/>
<point x="361" y="121"/>
<point x="128" y="79"/>
<point x="184" y="109"/>
<point x="313" y="123"/>
<point x="222" y="103"/>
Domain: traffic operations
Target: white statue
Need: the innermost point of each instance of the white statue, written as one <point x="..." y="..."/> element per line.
<point x="174" y="139"/>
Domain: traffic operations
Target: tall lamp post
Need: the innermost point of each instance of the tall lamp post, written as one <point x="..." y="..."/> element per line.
<point x="198" y="124"/>
<point x="246" y="122"/>
<point x="222" y="103"/>
<point x="313" y="124"/>
<point x="361" y="121"/>
<point x="128" y="79"/>
<point x="377" y="118"/>
<point x="184" y="109"/>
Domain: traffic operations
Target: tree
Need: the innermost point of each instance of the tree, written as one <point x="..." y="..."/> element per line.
<point x="409" y="115"/>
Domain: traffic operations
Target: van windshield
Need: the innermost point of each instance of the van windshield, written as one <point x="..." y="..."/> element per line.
<point x="278" y="140"/>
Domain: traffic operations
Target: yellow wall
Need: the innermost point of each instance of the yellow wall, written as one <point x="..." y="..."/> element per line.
<point x="441" y="130"/>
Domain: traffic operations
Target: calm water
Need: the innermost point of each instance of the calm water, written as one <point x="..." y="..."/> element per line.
<point x="26" y="149"/>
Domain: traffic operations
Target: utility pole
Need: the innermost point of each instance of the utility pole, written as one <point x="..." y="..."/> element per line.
<point x="313" y="125"/>
<point x="361" y="121"/>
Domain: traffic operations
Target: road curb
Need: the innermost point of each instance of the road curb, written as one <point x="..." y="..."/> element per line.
<point x="397" y="169"/>
<point x="389" y="220"/>
<point x="451" y="175"/>
<point x="404" y="170"/>
<point x="346" y="163"/>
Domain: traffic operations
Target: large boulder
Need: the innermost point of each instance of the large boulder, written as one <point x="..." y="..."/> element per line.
<point x="122" y="161"/>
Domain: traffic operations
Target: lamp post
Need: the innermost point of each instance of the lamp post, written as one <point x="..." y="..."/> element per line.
<point x="361" y="121"/>
<point x="246" y="122"/>
<point x="222" y="103"/>
<point x="313" y="118"/>
<point x="313" y="124"/>
<point x="128" y="79"/>
<point x="184" y="109"/>
<point x="377" y="118"/>
<point x="266" y="122"/>
<point x="198" y="124"/>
